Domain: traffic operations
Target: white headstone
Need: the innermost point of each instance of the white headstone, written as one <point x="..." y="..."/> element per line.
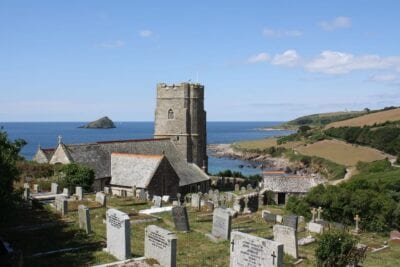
<point x="79" y="192"/>
<point x="142" y="195"/>
<point x="252" y="251"/>
<point x="315" y="227"/>
<point x="165" y="198"/>
<point x="101" y="198"/>
<point x="195" y="203"/>
<point x="66" y="192"/>
<point x="36" y="188"/>
<point x="118" y="234"/>
<point x="160" y="244"/>
<point x="157" y="201"/>
<point x="26" y="185"/>
<point x="26" y="193"/>
<point x="222" y="222"/>
<point x="107" y="190"/>
<point x="288" y="237"/>
<point x="54" y="188"/>
<point x="84" y="218"/>
<point x="61" y="204"/>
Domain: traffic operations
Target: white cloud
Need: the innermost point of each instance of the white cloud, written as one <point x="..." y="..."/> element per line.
<point x="333" y="62"/>
<point x="336" y="23"/>
<point x="261" y="57"/>
<point x="288" y="58"/>
<point x="145" y="33"/>
<point x="383" y="78"/>
<point x="112" y="44"/>
<point x="271" y="33"/>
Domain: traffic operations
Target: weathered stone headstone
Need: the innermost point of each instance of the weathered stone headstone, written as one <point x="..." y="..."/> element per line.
<point x="215" y="200"/>
<point x="236" y="205"/>
<point x="205" y="197"/>
<point x="61" y="204"/>
<point x="279" y="218"/>
<point x="249" y="188"/>
<point x="79" y="192"/>
<point x="134" y="191"/>
<point x="222" y="223"/>
<point x="181" y="220"/>
<point x="315" y="227"/>
<point x="84" y="218"/>
<point x="243" y="190"/>
<point x="160" y="244"/>
<point x="26" y="185"/>
<point x="195" y="202"/>
<point x="101" y="198"/>
<point x="319" y="210"/>
<point x="291" y="221"/>
<point x="357" y="219"/>
<point x="288" y="237"/>
<point x="124" y="193"/>
<point x="107" y="190"/>
<point x="36" y="188"/>
<point x="178" y="198"/>
<point x="237" y="187"/>
<point x="142" y="195"/>
<point x="313" y="212"/>
<point x="268" y="217"/>
<point x="118" y="234"/>
<point x="157" y="201"/>
<point x="54" y="188"/>
<point x="252" y="251"/>
<point x="66" y="192"/>
<point x="165" y="198"/>
<point x="27" y="193"/>
<point x="246" y="209"/>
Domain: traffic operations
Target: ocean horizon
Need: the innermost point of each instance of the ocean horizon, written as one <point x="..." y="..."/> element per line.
<point x="46" y="135"/>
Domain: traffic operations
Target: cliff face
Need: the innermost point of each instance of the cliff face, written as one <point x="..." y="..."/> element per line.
<point x="102" y="123"/>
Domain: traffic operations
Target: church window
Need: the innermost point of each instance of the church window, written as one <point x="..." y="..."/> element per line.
<point x="170" y="114"/>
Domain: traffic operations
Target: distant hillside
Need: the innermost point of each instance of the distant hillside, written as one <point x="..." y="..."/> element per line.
<point x="368" y="119"/>
<point x="322" y="119"/>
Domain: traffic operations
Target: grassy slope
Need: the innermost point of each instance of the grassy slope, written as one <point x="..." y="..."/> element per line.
<point x="321" y="119"/>
<point x="341" y="152"/>
<point x="369" y="119"/>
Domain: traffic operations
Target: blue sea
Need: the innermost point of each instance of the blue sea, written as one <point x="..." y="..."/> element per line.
<point x="46" y="133"/>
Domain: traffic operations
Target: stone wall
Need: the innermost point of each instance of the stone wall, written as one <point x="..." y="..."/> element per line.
<point x="180" y="116"/>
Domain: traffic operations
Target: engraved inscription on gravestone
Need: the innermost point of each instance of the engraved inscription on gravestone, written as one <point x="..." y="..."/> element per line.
<point x="118" y="234"/>
<point x="160" y="244"/>
<point x="252" y="251"/>
<point x="291" y="221"/>
<point x="222" y="221"/>
<point x="288" y="237"/>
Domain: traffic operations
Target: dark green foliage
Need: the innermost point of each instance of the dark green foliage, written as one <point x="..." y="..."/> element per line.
<point x="72" y="175"/>
<point x="288" y="138"/>
<point x="375" y="166"/>
<point x="234" y="174"/>
<point x="335" y="248"/>
<point x="374" y="194"/>
<point x="34" y="169"/>
<point x="303" y="129"/>
<point x="273" y="151"/>
<point x="8" y="172"/>
<point x="385" y="137"/>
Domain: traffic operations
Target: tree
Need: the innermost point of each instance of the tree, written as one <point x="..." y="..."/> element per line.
<point x="72" y="175"/>
<point x="337" y="248"/>
<point x="8" y="158"/>
<point x="303" y="129"/>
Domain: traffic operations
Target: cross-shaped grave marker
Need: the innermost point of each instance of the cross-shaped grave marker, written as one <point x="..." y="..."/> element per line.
<point x="313" y="212"/>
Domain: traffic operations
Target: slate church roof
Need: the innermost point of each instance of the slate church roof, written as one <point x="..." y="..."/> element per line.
<point x="98" y="156"/>
<point x="137" y="169"/>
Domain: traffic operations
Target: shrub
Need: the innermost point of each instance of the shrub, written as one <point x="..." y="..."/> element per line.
<point x="72" y="175"/>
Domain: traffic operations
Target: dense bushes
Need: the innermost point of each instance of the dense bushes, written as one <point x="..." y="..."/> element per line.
<point x="72" y="175"/>
<point x="337" y="248"/>
<point x="374" y="194"/>
<point x="386" y="137"/>
<point x="234" y="174"/>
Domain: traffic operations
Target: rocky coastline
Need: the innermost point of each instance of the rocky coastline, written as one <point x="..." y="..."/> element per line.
<point x="255" y="159"/>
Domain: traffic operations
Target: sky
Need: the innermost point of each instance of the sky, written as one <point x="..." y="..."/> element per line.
<point x="258" y="60"/>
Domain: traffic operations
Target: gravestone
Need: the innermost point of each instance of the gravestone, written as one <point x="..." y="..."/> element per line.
<point x="157" y="201"/>
<point x="101" y="198"/>
<point x="142" y="195"/>
<point x="236" y="205"/>
<point x="252" y="251"/>
<point x="222" y="223"/>
<point x="249" y="188"/>
<point x="246" y="209"/>
<point x="195" y="202"/>
<point x="26" y="194"/>
<point x="118" y="234"/>
<point x="215" y="200"/>
<point x="66" y="192"/>
<point x="210" y="194"/>
<point x="26" y="185"/>
<point x="178" y="198"/>
<point x="243" y="190"/>
<point x="206" y="197"/>
<point x="124" y="193"/>
<point x="165" y="198"/>
<point x="54" y="188"/>
<point x="79" y="192"/>
<point x="279" y="218"/>
<point x="237" y="187"/>
<point x="84" y="218"/>
<point x="181" y="220"/>
<point x="160" y="244"/>
<point x="288" y="237"/>
<point x="291" y="221"/>
<point x="268" y="217"/>
<point x="36" y="188"/>
<point x="61" y="204"/>
<point x="107" y="190"/>
<point x="134" y="191"/>
<point x="315" y="227"/>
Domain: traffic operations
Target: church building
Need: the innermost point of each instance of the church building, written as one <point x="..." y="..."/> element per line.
<point x="174" y="161"/>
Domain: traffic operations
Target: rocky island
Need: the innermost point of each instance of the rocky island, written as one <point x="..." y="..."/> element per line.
<point x="102" y="123"/>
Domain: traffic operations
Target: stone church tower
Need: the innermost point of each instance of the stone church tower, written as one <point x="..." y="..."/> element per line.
<point x="180" y="116"/>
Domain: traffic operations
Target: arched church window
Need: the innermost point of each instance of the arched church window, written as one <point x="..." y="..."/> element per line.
<point x="170" y="114"/>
